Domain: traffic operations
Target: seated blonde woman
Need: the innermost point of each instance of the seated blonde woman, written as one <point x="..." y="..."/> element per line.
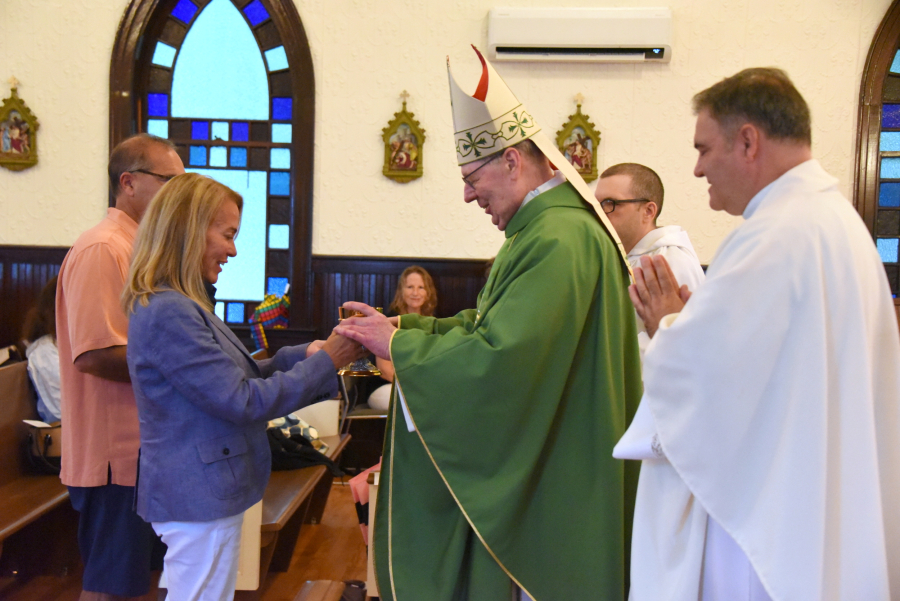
<point x="203" y="401"/>
<point x="415" y="294"/>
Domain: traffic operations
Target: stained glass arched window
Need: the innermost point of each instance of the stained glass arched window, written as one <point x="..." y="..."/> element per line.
<point x="877" y="196"/>
<point x="215" y="78"/>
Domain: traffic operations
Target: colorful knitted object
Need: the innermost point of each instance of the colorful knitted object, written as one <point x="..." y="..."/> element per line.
<point x="271" y="313"/>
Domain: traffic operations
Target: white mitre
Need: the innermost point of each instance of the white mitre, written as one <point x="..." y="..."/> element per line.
<point x="492" y="119"/>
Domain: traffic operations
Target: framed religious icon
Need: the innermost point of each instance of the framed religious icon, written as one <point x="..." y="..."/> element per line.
<point x="18" y="132"/>
<point x="403" y="141"/>
<point x="578" y="140"/>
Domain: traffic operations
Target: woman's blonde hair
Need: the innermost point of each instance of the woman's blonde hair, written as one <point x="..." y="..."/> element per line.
<point x="399" y="307"/>
<point x="171" y="240"/>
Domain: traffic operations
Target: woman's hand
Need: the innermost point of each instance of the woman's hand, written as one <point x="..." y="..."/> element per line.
<point x="314" y="347"/>
<point x="343" y="350"/>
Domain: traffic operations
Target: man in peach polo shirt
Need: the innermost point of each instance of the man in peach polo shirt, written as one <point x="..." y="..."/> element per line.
<point x="100" y="436"/>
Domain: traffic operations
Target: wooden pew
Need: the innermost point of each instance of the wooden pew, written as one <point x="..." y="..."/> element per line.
<point x="24" y="496"/>
<point x="292" y="498"/>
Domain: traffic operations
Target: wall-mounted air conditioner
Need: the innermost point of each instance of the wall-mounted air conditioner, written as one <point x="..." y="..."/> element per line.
<point x="606" y="35"/>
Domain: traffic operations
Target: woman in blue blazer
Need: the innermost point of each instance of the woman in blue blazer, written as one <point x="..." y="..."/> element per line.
<point x="203" y="402"/>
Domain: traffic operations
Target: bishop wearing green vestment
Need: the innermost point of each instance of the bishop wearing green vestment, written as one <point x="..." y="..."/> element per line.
<point x="498" y="478"/>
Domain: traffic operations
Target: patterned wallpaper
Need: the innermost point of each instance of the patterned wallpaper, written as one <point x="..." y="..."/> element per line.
<point x="365" y="55"/>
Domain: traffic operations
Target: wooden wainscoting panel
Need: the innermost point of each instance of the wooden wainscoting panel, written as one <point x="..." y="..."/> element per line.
<point x="336" y="279"/>
<point x="373" y="280"/>
<point x="23" y="272"/>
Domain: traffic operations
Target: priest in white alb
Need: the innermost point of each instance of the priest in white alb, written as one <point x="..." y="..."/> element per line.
<point x="770" y="421"/>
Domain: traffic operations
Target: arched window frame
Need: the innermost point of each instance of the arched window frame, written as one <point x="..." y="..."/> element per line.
<point x="869" y="124"/>
<point x="141" y="27"/>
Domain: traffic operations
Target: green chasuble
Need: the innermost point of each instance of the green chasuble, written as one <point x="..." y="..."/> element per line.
<point x="517" y="405"/>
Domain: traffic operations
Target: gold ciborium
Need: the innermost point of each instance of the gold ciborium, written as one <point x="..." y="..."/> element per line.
<point x="360" y="367"/>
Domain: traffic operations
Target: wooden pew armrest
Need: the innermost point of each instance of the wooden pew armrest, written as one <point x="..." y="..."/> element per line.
<point x="27" y="498"/>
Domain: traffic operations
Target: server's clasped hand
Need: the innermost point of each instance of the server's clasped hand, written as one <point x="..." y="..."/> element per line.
<point x="655" y="292"/>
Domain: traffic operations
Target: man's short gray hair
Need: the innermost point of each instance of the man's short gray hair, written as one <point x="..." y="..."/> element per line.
<point x="130" y="155"/>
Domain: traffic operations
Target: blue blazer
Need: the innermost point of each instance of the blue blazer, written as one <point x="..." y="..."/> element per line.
<point x="203" y="404"/>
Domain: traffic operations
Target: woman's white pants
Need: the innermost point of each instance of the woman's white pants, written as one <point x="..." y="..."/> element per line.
<point x="202" y="559"/>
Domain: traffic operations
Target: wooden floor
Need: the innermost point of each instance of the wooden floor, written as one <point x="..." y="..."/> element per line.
<point x="332" y="550"/>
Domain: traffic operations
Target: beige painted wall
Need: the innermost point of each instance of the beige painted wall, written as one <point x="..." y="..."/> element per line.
<point x="365" y="53"/>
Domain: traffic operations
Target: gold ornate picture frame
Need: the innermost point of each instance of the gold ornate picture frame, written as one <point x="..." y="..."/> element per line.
<point x="403" y="140"/>
<point x="18" y="132"/>
<point x="578" y="141"/>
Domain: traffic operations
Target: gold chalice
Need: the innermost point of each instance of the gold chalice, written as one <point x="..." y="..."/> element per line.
<point x="360" y="367"/>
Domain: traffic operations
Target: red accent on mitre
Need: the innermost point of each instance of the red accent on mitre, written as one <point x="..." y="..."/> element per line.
<point x="481" y="90"/>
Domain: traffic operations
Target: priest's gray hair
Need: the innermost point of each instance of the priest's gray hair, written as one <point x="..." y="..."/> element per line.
<point x="130" y="155"/>
<point x="763" y="96"/>
<point x="529" y="150"/>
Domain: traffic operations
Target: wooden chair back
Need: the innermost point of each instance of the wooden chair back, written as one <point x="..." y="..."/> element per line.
<point x="17" y="402"/>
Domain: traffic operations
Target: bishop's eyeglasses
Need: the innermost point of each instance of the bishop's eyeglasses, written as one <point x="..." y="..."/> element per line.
<point x="470" y="183"/>
<point x="609" y="204"/>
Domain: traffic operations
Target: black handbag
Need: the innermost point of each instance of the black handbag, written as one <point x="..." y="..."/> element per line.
<point x="44" y="448"/>
<point x="294" y="452"/>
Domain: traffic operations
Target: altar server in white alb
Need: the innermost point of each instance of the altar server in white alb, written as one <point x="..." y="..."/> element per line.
<point x="631" y="196"/>
<point x="774" y="393"/>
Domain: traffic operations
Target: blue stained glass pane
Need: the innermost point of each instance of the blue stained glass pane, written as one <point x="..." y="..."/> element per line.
<point x="220" y="131"/>
<point x="240" y="132"/>
<point x="277" y="59"/>
<point x="279" y="183"/>
<point x="164" y="55"/>
<point x="887" y="248"/>
<point x="890" y="168"/>
<point x="184" y="10"/>
<point x="280" y="158"/>
<point x="243" y="276"/>
<point x="218" y="156"/>
<point x="895" y="66"/>
<point x="220" y="311"/>
<point x="256" y="12"/>
<point x="238" y="157"/>
<point x="276" y="286"/>
<point x="281" y="133"/>
<point x="281" y="109"/>
<point x="889" y="194"/>
<point x="279" y="236"/>
<point x="890" y="115"/>
<point x="235" y="313"/>
<point x="200" y="130"/>
<point x="220" y="72"/>
<point x="890" y="141"/>
<point x="158" y="105"/>
<point x="198" y="155"/>
<point x="158" y="127"/>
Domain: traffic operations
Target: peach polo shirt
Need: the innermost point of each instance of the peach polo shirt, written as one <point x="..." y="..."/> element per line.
<point x="99" y="417"/>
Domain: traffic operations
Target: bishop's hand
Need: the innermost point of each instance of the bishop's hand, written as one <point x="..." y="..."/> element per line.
<point x="373" y="330"/>
<point x="655" y="292"/>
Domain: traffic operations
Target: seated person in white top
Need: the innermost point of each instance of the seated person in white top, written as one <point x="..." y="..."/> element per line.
<point x="415" y="294"/>
<point x="632" y="198"/>
<point x="39" y="335"/>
